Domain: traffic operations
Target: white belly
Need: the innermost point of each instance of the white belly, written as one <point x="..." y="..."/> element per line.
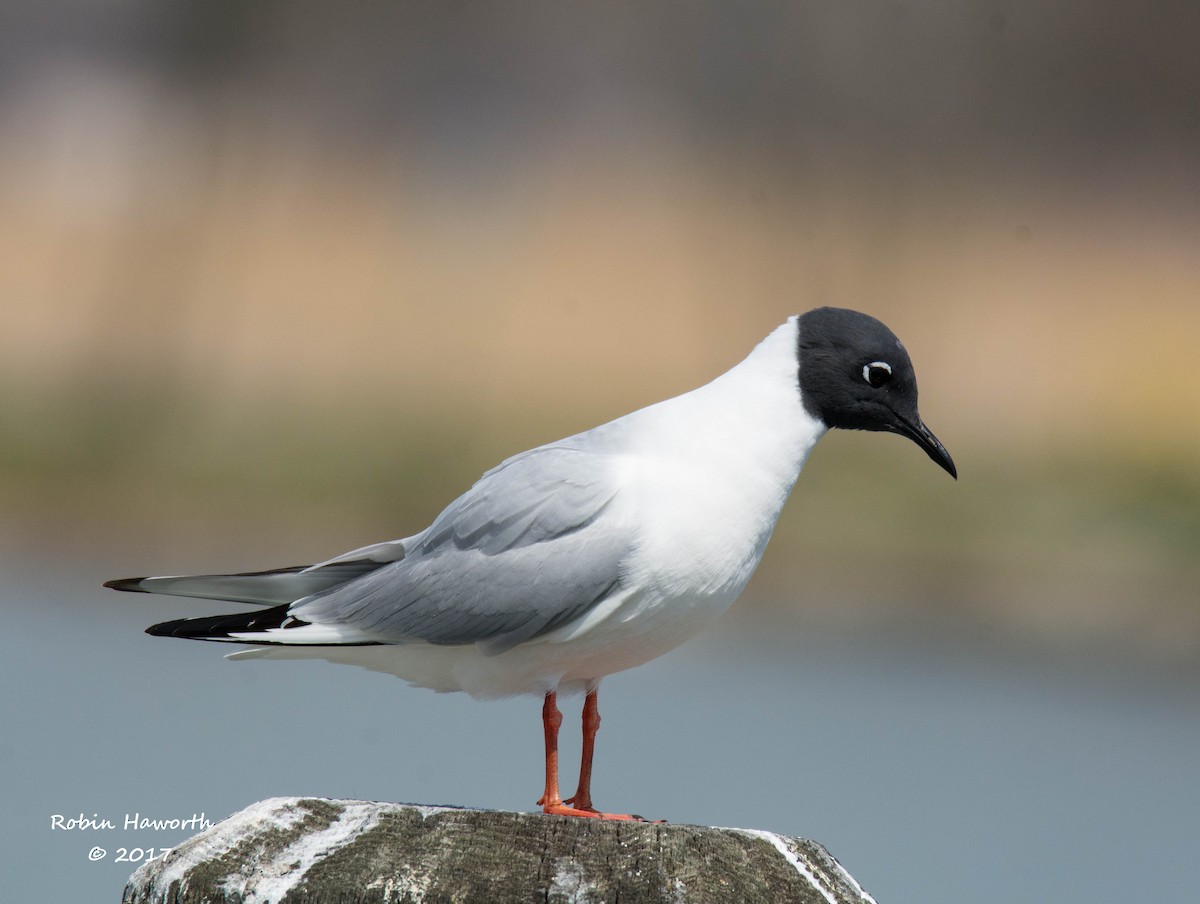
<point x="627" y="631"/>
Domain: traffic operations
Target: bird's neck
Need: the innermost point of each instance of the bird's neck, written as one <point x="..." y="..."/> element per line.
<point x="750" y="420"/>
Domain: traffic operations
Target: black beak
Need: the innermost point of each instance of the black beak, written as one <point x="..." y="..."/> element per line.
<point x="923" y="437"/>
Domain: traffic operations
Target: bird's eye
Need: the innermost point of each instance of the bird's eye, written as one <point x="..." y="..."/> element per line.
<point x="877" y="373"/>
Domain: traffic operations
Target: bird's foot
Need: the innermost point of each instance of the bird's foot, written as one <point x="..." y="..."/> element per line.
<point x="585" y="809"/>
<point x="590" y="812"/>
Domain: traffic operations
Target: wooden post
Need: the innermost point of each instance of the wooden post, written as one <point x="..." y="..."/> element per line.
<point x="325" y="851"/>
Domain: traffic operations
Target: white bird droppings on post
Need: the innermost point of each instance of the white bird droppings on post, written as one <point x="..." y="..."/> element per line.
<point x="800" y="866"/>
<point x="275" y="878"/>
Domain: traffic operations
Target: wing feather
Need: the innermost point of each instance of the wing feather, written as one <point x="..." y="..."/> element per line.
<point x="533" y="545"/>
<point x="265" y="588"/>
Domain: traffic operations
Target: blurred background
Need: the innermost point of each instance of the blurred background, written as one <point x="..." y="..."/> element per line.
<point x="281" y="279"/>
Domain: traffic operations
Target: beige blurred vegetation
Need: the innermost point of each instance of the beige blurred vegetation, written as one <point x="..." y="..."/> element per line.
<point x="240" y="333"/>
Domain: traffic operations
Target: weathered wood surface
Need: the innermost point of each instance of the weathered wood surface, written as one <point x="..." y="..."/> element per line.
<point x="311" y="850"/>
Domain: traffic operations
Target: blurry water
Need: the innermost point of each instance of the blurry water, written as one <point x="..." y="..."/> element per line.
<point x="934" y="772"/>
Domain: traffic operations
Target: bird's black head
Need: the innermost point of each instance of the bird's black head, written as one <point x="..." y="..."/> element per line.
<point x="855" y="374"/>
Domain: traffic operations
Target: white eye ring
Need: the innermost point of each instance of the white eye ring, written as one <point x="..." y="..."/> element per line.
<point x="881" y="365"/>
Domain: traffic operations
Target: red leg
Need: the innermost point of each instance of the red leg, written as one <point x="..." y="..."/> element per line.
<point x="551" y="720"/>
<point x="552" y="801"/>
<point x="591" y="722"/>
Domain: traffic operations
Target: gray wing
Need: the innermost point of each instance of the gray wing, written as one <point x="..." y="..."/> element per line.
<point x="265" y="588"/>
<point x="270" y="588"/>
<point x="530" y="547"/>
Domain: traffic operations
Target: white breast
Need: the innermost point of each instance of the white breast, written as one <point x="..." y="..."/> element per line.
<point x="702" y="484"/>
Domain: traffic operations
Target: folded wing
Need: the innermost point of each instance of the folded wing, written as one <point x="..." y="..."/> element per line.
<point x="266" y="588"/>
<point x="535" y="544"/>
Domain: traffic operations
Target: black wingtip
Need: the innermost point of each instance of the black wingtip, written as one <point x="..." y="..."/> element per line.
<point x="220" y="627"/>
<point x="133" y="585"/>
<point x="165" y="629"/>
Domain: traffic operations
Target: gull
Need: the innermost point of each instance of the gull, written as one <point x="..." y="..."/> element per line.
<point x="589" y="555"/>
